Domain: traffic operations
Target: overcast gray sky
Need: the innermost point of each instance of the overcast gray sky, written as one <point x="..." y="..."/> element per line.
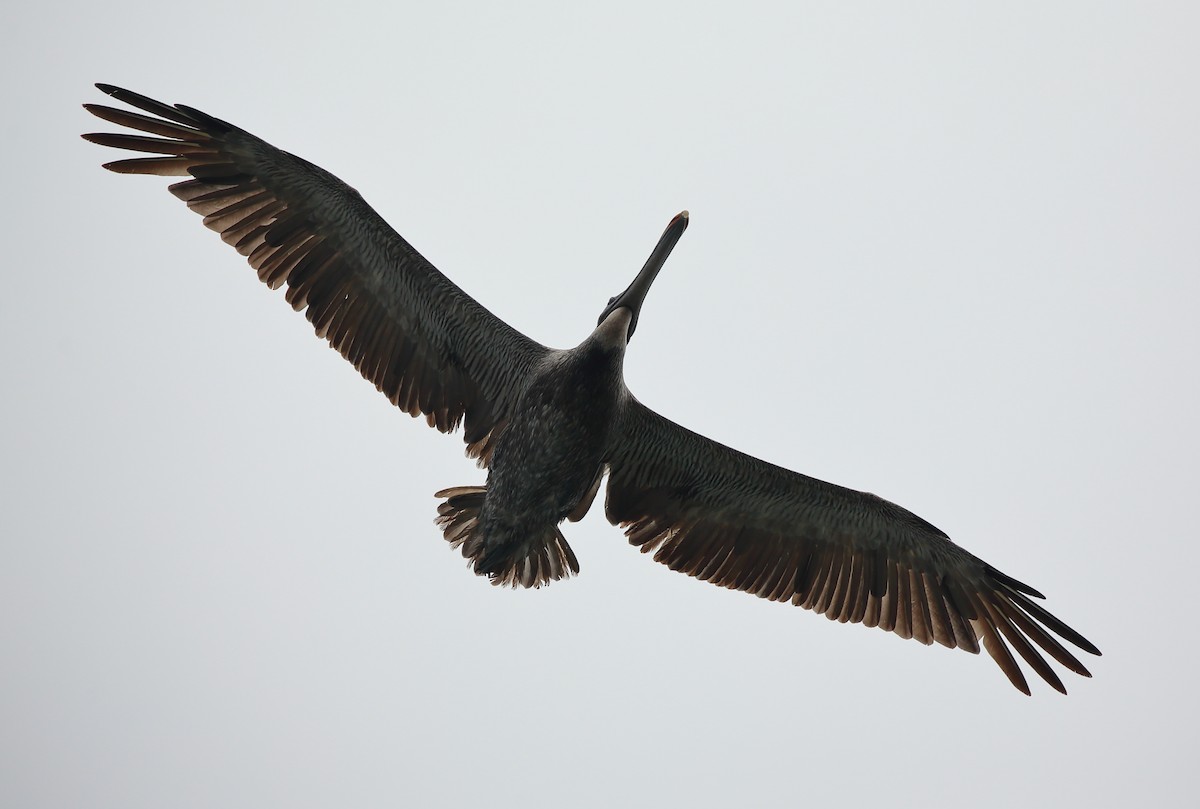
<point x="942" y="254"/>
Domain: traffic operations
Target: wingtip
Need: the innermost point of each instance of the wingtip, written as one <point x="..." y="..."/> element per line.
<point x="1087" y="646"/>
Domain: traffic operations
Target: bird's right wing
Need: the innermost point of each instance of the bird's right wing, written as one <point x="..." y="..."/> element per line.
<point x="427" y="345"/>
<point x="727" y="518"/>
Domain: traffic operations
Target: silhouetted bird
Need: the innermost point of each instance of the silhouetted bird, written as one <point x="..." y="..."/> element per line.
<point x="549" y="424"/>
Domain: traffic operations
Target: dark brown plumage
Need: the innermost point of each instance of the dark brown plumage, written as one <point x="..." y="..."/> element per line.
<point x="550" y="424"/>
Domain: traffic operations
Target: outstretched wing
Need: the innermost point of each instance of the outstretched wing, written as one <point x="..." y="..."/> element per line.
<point x="724" y="517"/>
<point x="427" y="345"/>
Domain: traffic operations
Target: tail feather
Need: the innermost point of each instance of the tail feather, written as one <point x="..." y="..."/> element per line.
<point x="506" y="558"/>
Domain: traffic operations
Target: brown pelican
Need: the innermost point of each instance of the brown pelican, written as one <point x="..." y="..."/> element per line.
<point x="549" y="424"/>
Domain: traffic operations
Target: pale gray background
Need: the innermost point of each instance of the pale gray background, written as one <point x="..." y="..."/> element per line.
<point x="943" y="254"/>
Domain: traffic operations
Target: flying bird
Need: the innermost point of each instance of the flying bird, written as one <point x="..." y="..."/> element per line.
<point x="550" y="424"/>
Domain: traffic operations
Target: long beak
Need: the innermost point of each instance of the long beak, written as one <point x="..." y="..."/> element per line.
<point x="635" y="293"/>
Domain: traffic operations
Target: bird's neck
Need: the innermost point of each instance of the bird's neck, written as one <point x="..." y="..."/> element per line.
<point x="613" y="331"/>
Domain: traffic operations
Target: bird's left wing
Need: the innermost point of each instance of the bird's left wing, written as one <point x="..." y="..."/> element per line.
<point x="724" y="517"/>
<point x="426" y="344"/>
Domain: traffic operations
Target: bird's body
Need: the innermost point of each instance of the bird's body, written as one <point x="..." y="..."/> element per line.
<point x="545" y="465"/>
<point x="551" y="424"/>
